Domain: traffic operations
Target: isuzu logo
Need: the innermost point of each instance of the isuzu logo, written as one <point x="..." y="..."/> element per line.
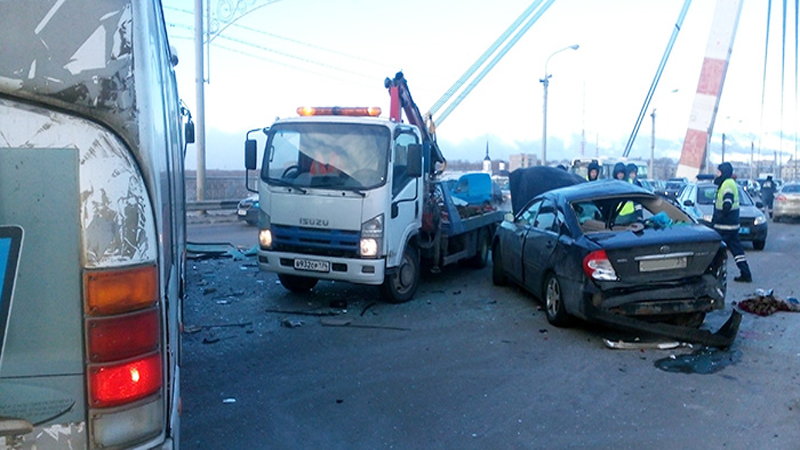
<point x="313" y="222"/>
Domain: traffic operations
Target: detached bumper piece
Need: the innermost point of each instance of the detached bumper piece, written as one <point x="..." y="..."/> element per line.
<point x="723" y="338"/>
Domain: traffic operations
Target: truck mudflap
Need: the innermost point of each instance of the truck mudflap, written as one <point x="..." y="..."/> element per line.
<point x="723" y="338"/>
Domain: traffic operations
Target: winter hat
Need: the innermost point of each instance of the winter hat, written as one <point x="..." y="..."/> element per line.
<point x="619" y="168"/>
<point x="726" y="169"/>
<point x="632" y="168"/>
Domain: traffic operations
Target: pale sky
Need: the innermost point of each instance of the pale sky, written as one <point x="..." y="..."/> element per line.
<point x="289" y="53"/>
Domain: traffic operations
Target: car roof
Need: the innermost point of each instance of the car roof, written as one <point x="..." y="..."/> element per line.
<point x="598" y="189"/>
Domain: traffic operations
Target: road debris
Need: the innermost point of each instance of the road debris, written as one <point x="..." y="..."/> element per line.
<point x="765" y="303"/>
<point x="336" y="322"/>
<point x="303" y="313"/>
<point x="289" y="323"/>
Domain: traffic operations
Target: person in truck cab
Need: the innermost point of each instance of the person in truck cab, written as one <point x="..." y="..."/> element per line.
<point x="324" y="164"/>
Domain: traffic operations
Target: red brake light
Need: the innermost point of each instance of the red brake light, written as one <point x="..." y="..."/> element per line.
<point x="113" y="385"/>
<point x="122" y="337"/>
<point x="780" y="198"/>
<point x="597" y="266"/>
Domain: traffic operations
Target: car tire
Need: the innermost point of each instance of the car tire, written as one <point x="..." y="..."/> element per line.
<point x="296" y="284"/>
<point x="401" y="285"/>
<point x="759" y="245"/>
<point x="499" y="277"/>
<point x="554" y="302"/>
<point x="482" y="252"/>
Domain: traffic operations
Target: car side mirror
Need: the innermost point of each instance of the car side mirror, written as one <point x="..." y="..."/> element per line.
<point x="759" y="204"/>
<point x="250" y="154"/>
<point x="688" y="203"/>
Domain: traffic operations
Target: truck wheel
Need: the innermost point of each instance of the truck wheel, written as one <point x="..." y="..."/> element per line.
<point x="401" y="285"/>
<point x="481" y="253"/>
<point x="296" y="284"/>
<point x="499" y="277"/>
<point x="554" y="302"/>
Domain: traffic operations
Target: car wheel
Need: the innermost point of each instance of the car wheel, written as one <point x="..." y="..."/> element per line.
<point x="759" y="245"/>
<point x="554" y="302"/>
<point x="499" y="277"/>
<point x="296" y="284"/>
<point x="481" y="253"/>
<point x="401" y="285"/>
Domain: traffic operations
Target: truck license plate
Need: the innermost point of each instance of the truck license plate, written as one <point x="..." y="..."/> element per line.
<point x="312" y="265"/>
<point x="653" y="265"/>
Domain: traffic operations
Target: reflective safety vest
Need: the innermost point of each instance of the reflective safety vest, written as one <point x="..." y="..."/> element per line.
<point x="726" y="220"/>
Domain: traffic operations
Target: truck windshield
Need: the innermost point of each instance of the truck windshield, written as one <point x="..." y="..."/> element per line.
<point x="327" y="155"/>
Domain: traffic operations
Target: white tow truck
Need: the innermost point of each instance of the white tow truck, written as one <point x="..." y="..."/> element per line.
<point x="347" y="195"/>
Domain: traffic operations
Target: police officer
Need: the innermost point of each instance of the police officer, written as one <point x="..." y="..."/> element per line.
<point x="593" y="171"/>
<point x="633" y="171"/>
<point x="619" y="172"/>
<point x="726" y="218"/>
<point x="768" y="194"/>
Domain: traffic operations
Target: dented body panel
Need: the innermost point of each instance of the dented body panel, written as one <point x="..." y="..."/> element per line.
<point x="91" y="164"/>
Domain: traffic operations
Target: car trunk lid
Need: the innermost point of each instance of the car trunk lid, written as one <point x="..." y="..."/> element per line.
<point x="660" y="255"/>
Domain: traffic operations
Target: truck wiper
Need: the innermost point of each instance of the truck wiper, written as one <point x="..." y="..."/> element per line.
<point x="285" y="183"/>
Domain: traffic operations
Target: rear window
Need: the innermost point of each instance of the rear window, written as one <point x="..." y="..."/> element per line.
<point x="791" y="188"/>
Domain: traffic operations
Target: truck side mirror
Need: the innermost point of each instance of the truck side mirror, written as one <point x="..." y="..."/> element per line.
<point x="250" y="154"/>
<point x="688" y="203"/>
<point x="188" y="131"/>
<point x="414" y="164"/>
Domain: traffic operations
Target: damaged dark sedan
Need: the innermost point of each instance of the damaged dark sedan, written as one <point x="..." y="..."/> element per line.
<point x="610" y="251"/>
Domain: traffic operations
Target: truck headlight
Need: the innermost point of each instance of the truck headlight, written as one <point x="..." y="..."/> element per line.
<point x="371" y="237"/>
<point x="265" y="233"/>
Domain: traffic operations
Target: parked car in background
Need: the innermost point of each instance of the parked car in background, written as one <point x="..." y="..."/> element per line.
<point x="573" y="249"/>
<point x="673" y="186"/>
<point x="752" y="187"/>
<point x="248" y="210"/>
<point x="652" y="185"/>
<point x="787" y="202"/>
<point x="698" y="200"/>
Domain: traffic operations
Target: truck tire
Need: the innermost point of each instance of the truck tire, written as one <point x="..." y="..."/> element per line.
<point x="298" y="285"/>
<point x="401" y="285"/>
<point x="478" y="261"/>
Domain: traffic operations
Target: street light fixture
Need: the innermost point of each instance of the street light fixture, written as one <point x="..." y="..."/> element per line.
<point x="545" y="82"/>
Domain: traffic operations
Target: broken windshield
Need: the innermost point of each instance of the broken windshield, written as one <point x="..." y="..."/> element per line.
<point x="346" y="156"/>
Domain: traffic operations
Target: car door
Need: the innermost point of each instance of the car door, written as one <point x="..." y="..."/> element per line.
<point x="540" y="243"/>
<point x="512" y="259"/>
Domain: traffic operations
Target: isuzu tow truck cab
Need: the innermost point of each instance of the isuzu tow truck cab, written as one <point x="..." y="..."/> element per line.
<point x="347" y="195"/>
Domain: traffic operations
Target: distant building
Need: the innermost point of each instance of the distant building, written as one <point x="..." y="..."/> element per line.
<point x="487" y="161"/>
<point x="521" y="161"/>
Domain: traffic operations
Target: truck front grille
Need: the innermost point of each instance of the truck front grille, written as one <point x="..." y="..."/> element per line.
<point x="315" y="241"/>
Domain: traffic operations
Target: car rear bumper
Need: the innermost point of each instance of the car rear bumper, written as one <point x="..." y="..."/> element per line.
<point x="704" y="294"/>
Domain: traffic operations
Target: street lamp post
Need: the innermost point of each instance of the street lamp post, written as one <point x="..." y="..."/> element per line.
<point x="546" y="82"/>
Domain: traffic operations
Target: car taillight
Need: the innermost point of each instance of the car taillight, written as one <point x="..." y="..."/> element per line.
<point x="122" y="337"/>
<point x="780" y="198"/>
<point x="597" y="266"/>
<point x="123" y="334"/>
<point x="116" y="384"/>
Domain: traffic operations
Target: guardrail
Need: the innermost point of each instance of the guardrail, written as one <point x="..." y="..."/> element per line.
<point x="212" y="205"/>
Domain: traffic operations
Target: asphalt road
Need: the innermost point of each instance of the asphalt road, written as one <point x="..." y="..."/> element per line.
<point x="467" y="365"/>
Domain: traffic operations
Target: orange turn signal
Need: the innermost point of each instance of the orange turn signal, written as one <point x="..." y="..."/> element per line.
<point x="120" y="290"/>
